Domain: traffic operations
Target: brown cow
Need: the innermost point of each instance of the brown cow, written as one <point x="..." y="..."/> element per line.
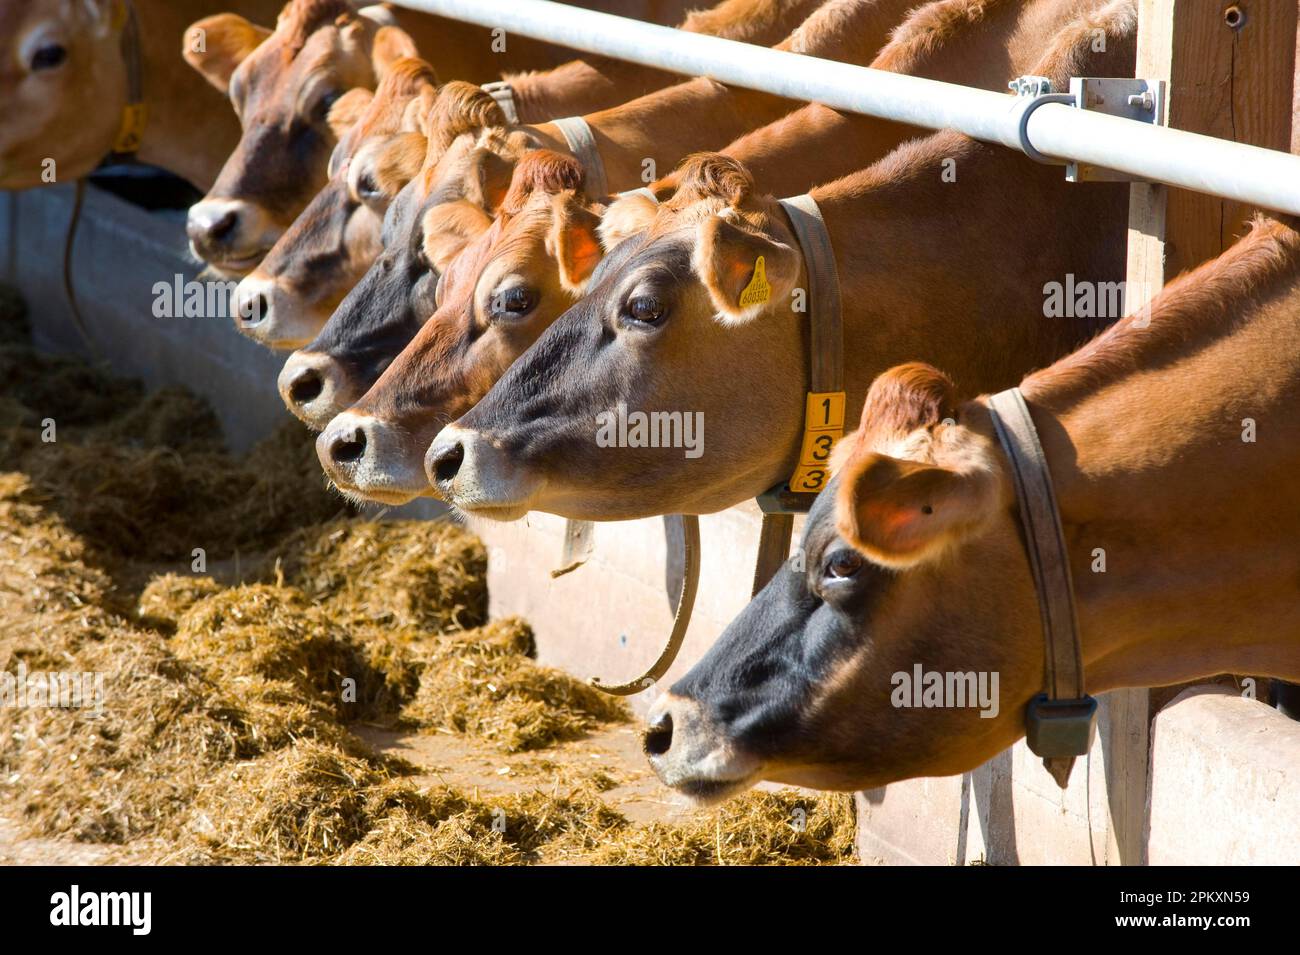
<point x="64" y="89"/>
<point x="318" y="51"/>
<point x="1173" y="446"/>
<point x="444" y="210"/>
<point x="493" y="301"/>
<point x="381" y="442"/>
<point x="329" y="247"/>
<point x="928" y="269"/>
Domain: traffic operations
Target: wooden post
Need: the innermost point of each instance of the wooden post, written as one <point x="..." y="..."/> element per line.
<point x="1229" y="70"/>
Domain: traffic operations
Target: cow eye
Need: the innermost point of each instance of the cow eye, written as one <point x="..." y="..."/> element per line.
<point x="645" y="309"/>
<point x="367" y="188"/>
<point x="514" y="302"/>
<point x="48" y="57"/>
<point x="842" y="564"/>
<point x="326" y="104"/>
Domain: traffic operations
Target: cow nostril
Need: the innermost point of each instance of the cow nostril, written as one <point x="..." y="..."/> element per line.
<point x="253" y="310"/>
<point x="223" y="226"/>
<point x="659" y="736"/>
<point x="307" y="387"/>
<point x="348" y="448"/>
<point x="447" y="462"/>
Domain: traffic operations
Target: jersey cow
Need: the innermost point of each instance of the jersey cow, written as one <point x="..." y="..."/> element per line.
<point x="65" y="91"/>
<point x="927" y="269"/>
<point x="378" y="445"/>
<point x="1172" y="444"/>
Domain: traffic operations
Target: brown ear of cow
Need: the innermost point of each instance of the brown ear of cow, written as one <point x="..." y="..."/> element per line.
<point x="347" y="109"/>
<point x="745" y="273"/>
<point x="626" y="216"/>
<point x="399" y="162"/>
<point x="391" y="44"/>
<point x="900" y="512"/>
<point x="575" y="239"/>
<point x="449" y="227"/>
<point x="216" y="45"/>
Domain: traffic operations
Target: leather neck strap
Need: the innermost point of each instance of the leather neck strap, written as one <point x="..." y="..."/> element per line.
<point x="582" y="143"/>
<point x="1060" y="722"/>
<point x="134" y="115"/>
<point x="824" y="407"/>
<point x="504" y="94"/>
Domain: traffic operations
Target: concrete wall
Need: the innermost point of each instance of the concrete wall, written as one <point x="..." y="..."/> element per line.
<point x="1224" y="772"/>
<point x="121" y="251"/>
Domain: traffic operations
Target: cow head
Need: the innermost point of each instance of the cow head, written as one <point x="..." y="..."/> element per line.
<point x="63" y="86"/>
<point x="425" y="228"/>
<point x="910" y="562"/>
<point x="670" y="325"/>
<point x="286" y="301"/>
<point x="494" y="300"/>
<point x="295" y="90"/>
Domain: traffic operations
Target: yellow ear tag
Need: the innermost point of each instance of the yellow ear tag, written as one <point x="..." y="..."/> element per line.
<point x="757" y="291"/>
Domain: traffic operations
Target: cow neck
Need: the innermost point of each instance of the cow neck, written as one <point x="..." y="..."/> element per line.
<point x="824" y="403"/>
<point x="1061" y="721"/>
<point x="126" y="144"/>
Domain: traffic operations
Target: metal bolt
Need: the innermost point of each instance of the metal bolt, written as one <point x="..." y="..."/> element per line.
<point x="1144" y="100"/>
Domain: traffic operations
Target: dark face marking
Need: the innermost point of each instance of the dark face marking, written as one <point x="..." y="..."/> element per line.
<point x="381" y="315"/>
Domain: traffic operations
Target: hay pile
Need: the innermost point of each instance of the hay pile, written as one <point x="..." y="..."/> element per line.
<point x="228" y="696"/>
<point x="485" y="683"/>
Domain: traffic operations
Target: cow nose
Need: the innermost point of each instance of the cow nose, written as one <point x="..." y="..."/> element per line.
<point x="443" y="461"/>
<point x="315" y="387"/>
<point x="348" y="445"/>
<point x="306" y="387"/>
<point x="658" y="737"/>
<point x="213" y="223"/>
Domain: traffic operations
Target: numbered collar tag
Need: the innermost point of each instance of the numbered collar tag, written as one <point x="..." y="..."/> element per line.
<point x="131" y="130"/>
<point x="758" y="290"/>
<point x="823" y="425"/>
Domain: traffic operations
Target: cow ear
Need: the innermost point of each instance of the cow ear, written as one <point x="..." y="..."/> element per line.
<point x="900" y="512"/>
<point x="449" y="227"/>
<point x="488" y="179"/>
<point x="347" y="109"/>
<point x="391" y="44"/>
<point x="743" y="271"/>
<point x="626" y="216"/>
<point x="575" y="242"/>
<point x="216" y="45"/>
<point x="415" y="118"/>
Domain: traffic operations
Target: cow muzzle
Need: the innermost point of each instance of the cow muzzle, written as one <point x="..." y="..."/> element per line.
<point x="270" y="316"/>
<point x="475" y="475"/>
<point x="690" y="755"/>
<point x="230" y="234"/>
<point x="316" y="387"/>
<point x="370" y="460"/>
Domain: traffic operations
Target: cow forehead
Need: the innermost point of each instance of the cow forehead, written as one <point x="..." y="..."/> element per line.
<point x="275" y="69"/>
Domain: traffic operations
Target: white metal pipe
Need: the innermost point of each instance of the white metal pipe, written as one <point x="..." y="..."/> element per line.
<point x="1248" y="174"/>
